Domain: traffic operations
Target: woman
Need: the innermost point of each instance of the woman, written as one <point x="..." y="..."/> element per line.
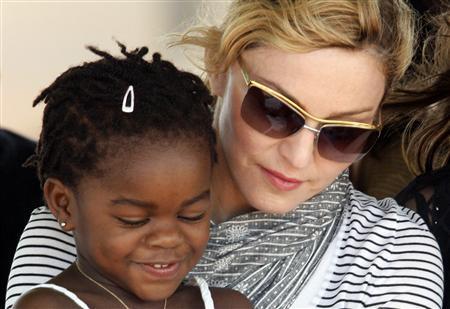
<point x="299" y="86"/>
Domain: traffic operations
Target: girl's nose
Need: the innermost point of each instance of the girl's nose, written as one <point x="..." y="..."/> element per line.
<point x="165" y="235"/>
<point x="298" y="149"/>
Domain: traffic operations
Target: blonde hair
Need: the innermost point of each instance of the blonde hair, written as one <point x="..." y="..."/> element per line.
<point x="426" y="139"/>
<point x="385" y="26"/>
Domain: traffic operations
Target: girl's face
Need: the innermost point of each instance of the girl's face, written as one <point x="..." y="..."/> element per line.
<point x="145" y="224"/>
<point x="276" y="174"/>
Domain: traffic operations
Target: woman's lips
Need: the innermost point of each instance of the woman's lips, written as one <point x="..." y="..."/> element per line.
<point x="161" y="270"/>
<point x="280" y="181"/>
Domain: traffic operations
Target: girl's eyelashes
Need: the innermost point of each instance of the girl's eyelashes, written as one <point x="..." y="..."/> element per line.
<point x="141" y="222"/>
<point x="192" y="218"/>
<point x="133" y="223"/>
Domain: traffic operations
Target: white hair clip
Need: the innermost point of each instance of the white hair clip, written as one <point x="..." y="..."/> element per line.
<point x="128" y="108"/>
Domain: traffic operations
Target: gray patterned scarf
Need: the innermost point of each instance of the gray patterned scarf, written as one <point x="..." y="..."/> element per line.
<point x="270" y="257"/>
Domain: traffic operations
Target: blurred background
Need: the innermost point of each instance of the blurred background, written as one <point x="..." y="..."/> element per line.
<point x="41" y="39"/>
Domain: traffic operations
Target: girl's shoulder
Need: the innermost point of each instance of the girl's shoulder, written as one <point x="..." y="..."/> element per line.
<point x="221" y="297"/>
<point x="229" y="298"/>
<point x="190" y="296"/>
<point x="49" y="296"/>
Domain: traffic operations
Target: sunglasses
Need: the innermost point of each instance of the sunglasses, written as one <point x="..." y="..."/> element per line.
<point x="273" y="114"/>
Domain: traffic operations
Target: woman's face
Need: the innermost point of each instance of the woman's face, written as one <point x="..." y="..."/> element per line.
<point x="275" y="175"/>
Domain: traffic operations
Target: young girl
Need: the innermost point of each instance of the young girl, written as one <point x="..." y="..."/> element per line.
<point x="125" y="158"/>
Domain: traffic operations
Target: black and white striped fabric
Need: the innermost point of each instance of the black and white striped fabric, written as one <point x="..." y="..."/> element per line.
<point x="385" y="258"/>
<point x="44" y="250"/>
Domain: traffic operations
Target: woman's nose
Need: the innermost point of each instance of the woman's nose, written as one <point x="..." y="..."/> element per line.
<point x="164" y="235"/>
<point x="298" y="149"/>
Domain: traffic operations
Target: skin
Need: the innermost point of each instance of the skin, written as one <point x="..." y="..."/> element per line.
<point x="330" y="83"/>
<point x="154" y="210"/>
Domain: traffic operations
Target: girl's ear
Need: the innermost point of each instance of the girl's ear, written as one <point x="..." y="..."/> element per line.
<point x="61" y="202"/>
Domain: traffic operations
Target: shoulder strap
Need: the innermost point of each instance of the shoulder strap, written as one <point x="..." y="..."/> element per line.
<point x="206" y="293"/>
<point x="64" y="291"/>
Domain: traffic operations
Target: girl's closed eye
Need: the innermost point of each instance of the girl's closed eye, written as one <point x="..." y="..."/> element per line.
<point x="195" y="209"/>
<point x="192" y="217"/>
<point x="133" y="222"/>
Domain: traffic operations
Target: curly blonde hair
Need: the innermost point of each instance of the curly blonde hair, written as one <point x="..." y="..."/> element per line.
<point x="385" y="26"/>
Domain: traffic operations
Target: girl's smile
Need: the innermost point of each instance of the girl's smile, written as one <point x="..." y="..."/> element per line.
<point x="162" y="271"/>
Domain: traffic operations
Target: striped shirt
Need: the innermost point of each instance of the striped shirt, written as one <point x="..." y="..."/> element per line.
<point x="382" y="256"/>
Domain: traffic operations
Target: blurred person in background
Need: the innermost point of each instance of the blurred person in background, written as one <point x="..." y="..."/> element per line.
<point x="386" y="155"/>
<point x="426" y="140"/>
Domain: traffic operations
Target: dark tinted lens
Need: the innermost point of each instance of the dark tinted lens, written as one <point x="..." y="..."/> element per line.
<point x="268" y="115"/>
<point x="345" y="144"/>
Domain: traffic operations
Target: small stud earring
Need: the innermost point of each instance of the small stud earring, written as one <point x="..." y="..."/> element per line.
<point x="63" y="224"/>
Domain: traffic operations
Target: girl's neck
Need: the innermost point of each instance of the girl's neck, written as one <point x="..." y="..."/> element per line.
<point x="125" y="296"/>
<point x="227" y="199"/>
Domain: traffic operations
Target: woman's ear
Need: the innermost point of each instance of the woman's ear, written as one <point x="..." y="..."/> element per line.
<point x="217" y="82"/>
<point x="61" y="202"/>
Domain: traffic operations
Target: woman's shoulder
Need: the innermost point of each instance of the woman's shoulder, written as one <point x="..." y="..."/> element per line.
<point x="386" y="257"/>
<point x="385" y="231"/>
<point x="44" y="251"/>
<point x="228" y="298"/>
<point x="47" y="296"/>
<point x="386" y="214"/>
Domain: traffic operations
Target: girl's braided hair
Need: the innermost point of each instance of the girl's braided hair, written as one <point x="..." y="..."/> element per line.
<point x="84" y="124"/>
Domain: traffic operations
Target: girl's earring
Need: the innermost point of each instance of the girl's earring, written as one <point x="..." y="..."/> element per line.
<point x="63" y="224"/>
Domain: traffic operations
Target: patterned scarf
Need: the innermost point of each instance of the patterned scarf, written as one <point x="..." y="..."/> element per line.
<point x="270" y="257"/>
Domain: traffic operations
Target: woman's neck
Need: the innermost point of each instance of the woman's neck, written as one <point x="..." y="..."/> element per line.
<point x="227" y="199"/>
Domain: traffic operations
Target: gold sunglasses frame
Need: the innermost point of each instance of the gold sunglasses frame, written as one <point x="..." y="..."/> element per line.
<point x="300" y="111"/>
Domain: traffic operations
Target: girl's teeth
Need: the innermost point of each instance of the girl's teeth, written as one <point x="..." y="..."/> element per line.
<point x="160" y="265"/>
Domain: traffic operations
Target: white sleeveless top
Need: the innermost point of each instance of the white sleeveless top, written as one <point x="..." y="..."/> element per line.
<point x="206" y="293"/>
<point x="202" y="284"/>
<point x="64" y="291"/>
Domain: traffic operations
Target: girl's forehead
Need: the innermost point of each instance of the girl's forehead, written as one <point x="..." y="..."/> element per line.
<point x="155" y="156"/>
<point x="151" y="173"/>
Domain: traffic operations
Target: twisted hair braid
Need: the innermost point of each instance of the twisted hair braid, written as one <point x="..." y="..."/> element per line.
<point x="83" y="119"/>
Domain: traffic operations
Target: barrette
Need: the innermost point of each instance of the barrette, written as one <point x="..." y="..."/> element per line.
<point x="128" y="108"/>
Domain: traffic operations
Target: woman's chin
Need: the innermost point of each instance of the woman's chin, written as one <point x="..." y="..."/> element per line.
<point x="275" y="204"/>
